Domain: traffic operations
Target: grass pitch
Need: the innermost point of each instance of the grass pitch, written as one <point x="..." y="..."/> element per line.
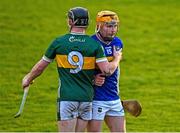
<point x="150" y="71"/>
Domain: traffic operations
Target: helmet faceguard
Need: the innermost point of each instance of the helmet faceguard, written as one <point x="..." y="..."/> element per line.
<point x="79" y="16"/>
<point x="106" y="18"/>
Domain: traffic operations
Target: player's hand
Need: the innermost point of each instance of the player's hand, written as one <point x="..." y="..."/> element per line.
<point x="26" y="82"/>
<point x="117" y="52"/>
<point x="99" y="79"/>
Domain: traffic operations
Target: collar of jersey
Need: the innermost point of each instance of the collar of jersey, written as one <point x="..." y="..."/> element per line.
<point x="105" y="43"/>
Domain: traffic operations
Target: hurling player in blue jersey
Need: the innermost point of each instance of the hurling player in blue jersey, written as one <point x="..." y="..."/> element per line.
<point x="106" y="103"/>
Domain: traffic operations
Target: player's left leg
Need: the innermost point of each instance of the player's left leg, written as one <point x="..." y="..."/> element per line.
<point x="116" y="123"/>
<point x="114" y="118"/>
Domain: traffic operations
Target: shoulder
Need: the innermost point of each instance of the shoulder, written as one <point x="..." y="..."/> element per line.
<point x="94" y="36"/>
<point x="58" y="40"/>
<point x="93" y="40"/>
<point x="62" y="38"/>
<point x="117" y="41"/>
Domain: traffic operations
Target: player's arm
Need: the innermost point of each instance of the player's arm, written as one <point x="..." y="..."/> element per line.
<point x="37" y="69"/>
<point x="41" y="65"/>
<point x="117" y="58"/>
<point x="108" y="68"/>
<point x="99" y="79"/>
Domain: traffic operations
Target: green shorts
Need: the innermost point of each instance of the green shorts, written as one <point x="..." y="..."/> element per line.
<point x="67" y="110"/>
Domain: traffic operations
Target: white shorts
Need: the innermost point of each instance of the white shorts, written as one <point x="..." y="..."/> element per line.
<point x="107" y="108"/>
<point x="67" y="110"/>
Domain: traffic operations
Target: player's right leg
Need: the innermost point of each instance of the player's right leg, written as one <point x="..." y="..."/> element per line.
<point x="67" y="112"/>
<point x="85" y="114"/>
<point x="94" y="126"/>
<point x="81" y="125"/>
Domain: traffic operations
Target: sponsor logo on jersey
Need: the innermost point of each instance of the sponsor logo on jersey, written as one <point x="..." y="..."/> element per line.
<point x="73" y="39"/>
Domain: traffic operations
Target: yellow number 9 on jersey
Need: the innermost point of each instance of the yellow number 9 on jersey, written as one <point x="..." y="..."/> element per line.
<point x="75" y="58"/>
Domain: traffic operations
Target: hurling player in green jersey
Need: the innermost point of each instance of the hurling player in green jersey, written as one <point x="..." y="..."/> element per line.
<point x="76" y="55"/>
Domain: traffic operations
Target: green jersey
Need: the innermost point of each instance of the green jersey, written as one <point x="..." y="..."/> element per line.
<point x="76" y="56"/>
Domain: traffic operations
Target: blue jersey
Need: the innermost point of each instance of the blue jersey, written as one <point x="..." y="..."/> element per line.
<point x="110" y="89"/>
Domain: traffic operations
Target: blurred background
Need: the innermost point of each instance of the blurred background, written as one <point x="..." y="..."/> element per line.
<point x="150" y="70"/>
